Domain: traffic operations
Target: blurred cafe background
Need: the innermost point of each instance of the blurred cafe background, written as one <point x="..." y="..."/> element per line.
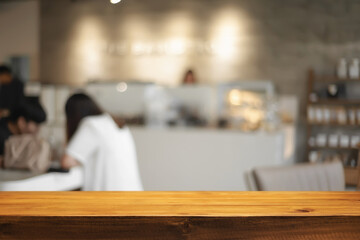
<point x="229" y="95"/>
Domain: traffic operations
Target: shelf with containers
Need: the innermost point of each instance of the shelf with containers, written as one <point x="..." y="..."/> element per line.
<point x="333" y="122"/>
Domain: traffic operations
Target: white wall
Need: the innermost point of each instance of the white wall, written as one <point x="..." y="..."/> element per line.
<point x="19" y="24"/>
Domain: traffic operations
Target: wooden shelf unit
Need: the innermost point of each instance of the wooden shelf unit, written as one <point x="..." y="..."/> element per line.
<point x="352" y="174"/>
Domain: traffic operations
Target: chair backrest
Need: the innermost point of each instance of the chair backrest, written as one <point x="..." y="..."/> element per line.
<point x="301" y="177"/>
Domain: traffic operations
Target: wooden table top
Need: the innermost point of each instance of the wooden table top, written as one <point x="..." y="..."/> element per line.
<point x="211" y="204"/>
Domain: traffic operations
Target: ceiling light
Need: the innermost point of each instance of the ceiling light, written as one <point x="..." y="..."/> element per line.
<point x="115" y="1"/>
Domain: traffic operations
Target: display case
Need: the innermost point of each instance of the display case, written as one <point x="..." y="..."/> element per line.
<point x="248" y="105"/>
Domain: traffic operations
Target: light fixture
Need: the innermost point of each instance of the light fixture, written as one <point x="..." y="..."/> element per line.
<point x="122" y="87"/>
<point x="235" y="97"/>
<point x="115" y="1"/>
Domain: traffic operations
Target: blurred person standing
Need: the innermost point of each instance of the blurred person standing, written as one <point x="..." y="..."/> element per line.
<point x="11" y="92"/>
<point x="96" y="142"/>
<point x="189" y="77"/>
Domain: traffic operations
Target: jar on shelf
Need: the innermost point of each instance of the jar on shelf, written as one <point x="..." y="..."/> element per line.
<point x="355" y="140"/>
<point x="354" y="69"/>
<point x="342" y="69"/>
<point x="311" y="114"/>
<point x="321" y="140"/>
<point x="344" y="141"/>
<point x="326" y="115"/>
<point x="352" y="116"/>
<point x="333" y="140"/>
<point x="341" y="116"/>
<point x="319" y="115"/>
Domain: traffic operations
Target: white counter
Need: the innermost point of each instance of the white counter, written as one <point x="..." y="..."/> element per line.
<point x="11" y="180"/>
<point x="203" y="159"/>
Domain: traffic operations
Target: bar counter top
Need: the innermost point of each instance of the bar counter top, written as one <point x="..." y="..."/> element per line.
<point x="180" y="215"/>
<point x="215" y="204"/>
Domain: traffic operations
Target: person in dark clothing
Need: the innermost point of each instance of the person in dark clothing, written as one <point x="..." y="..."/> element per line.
<point x="11" y="92"/>
<point x="5" y="133"/>
<point x="23" y="120"/>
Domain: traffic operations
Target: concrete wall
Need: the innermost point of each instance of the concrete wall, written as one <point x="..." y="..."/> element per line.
<point x="277" y="40"/>
<point x="19" y="35"/>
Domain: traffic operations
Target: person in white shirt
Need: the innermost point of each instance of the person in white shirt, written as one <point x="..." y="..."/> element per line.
<point x="106" y="152"/>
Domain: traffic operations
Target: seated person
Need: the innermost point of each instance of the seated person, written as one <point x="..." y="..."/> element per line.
<point x="106" y="151"/>
<point x="24" y="119"/>
<point x="11" y="92"/>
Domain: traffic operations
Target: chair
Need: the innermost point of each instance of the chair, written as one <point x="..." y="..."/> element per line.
<point x="301" y="177"/>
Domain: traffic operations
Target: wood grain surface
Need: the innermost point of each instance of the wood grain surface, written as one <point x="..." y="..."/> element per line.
<point x="179" y="215"/>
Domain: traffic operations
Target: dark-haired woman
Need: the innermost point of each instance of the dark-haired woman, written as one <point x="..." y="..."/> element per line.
<point x="106" y="151"/>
